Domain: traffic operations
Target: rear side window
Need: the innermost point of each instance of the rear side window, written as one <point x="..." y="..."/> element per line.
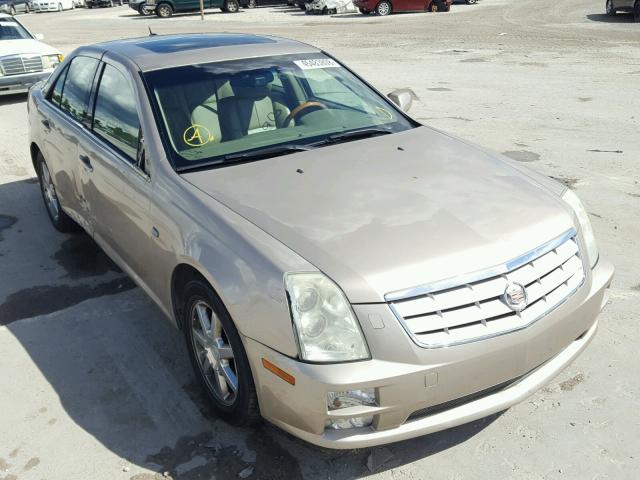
<point x="77" y="86"/>
<point x="115" y="117"/>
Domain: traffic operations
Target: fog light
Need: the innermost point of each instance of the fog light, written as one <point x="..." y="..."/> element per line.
<point x="351" y="398"/>
<point x="343" y="423"/>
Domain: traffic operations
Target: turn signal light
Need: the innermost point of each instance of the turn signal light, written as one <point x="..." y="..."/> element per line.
<point x="278" y="371"/>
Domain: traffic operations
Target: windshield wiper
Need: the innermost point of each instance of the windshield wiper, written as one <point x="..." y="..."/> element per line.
<point x="353" y="135"/>
<point x="250" y="156"/>
<point x="266" y="152"/>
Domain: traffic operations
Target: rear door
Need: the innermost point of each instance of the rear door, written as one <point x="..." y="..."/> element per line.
<point x="116" y="184"/>
<point x="65" y="120"/>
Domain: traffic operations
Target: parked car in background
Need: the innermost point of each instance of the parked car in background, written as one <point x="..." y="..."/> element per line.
<point x="13" y="7"/>
<point x="103" y="3"/>
<point x="24" y="59"/>
<point x="166" y="8"/>
<point x="52" y="5"/>
<point x="612" y="7"/>
<point x="386" y="7"/>
<point x="329" y="7"/>
<point x="336" y="267"/>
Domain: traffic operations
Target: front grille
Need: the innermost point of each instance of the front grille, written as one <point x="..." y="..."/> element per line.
<point x="476" y="309"/>
<point x="22" y="64"/>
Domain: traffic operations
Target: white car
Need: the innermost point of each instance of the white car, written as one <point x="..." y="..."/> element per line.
<point x="52" y="5"/>
<point x="24" y="59"/>
<point x="330" y="7"/>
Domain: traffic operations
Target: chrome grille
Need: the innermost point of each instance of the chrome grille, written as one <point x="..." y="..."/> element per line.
<point x="22" y="64"/>
<point x="475" y="309"/>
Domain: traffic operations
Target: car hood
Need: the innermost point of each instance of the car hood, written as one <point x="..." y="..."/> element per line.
<point x="392" y="212"/>
<point x="25" y="46"/>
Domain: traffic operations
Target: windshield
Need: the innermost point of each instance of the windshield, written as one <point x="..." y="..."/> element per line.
<point x="12" y="30"/>
<point x="215" y="111"/>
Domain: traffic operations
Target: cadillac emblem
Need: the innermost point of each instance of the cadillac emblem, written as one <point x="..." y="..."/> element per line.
<point x="515" y="295"/>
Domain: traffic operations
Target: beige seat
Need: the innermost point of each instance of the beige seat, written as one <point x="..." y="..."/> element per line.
<point x="252" y="109"/>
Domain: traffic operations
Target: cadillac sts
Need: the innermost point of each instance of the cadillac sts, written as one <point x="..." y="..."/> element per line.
<point x="336" y="268"/>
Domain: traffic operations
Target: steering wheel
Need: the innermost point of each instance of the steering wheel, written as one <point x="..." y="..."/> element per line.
<point x="299" y="109"/>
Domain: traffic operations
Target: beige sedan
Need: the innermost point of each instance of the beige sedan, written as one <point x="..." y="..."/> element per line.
<point x="337" y="268"/>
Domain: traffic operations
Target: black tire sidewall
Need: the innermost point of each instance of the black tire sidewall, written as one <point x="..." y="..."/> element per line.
<point x="243" y="410"/>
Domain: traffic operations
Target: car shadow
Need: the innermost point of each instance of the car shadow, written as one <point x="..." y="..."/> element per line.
<point x="618" y="18"/>
<point x="153" y="16"/>
<point x="120" y="370"/>
<point x="13" y="98"/>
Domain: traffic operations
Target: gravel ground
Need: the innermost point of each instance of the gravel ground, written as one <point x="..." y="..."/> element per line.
<point x="95" y="385"/>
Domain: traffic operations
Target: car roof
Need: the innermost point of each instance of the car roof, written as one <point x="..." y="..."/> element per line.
<point x="164" y="51"/>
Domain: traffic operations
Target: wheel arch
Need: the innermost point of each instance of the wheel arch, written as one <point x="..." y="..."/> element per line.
<point x="34" y="150"/>
<point x="182" y="274"/>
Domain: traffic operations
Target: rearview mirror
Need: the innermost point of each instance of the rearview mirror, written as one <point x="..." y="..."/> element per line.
<point x="403" y="98"/>
<point x="39" y="36"/>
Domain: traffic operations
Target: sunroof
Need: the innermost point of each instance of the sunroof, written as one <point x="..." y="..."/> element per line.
<point x="173" y="44"/>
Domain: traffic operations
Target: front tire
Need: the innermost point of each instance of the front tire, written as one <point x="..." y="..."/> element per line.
<point x="252" y="4"/>
<point x="383" y="8"/>
<point x="217" y="355"/>
<point x="60" y="220"/>
<point x="142" y="11"/>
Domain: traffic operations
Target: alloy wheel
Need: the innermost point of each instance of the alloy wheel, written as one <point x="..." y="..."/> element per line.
<point x="383" y="9"/>
<point x="214" y="354"/>
<point x="49" y="192"/>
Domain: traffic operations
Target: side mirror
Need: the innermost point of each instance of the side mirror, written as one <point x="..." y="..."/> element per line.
<point x="39" y="36"/>
<point x="403" y="98"/>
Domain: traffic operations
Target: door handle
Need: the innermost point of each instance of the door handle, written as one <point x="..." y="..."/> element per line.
<point x="86" y="161"/>
<point x="46" y="124"/>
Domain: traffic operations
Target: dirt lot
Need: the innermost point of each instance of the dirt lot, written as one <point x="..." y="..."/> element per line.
<point x="96" y="385"/>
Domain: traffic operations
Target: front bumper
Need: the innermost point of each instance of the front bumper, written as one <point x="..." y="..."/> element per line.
<point x="51" y="7"/>
<point x="456" y="382"/>
<point x="11" y="84"/>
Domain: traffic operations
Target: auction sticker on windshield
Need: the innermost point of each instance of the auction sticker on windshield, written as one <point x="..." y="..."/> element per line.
<point x="312" y="63"/>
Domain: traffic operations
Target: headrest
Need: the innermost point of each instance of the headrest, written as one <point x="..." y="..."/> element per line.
<point x="252" y="79"/>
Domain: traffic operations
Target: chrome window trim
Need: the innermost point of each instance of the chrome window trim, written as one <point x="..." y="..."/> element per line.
<point x="478" y="276"/>
<point x="481" y="275"/>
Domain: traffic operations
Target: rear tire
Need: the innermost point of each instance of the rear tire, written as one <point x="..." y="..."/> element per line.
<point x="12" y="11"/>
<point x="383" y="8"/>
<point x="231" y="6"/>
<point x="59" y="7"/>
<point x="60" y="220"/>
<point x="206" y="318"/>
<point x="164" y="10"/>
<point x="471" y="2"/>
<point x="252" y="4"/>
<point x="142" y="11"/>
<point x="438" y="6"/>
<point x="609" y="8"/>
<point x="636" y="12"/>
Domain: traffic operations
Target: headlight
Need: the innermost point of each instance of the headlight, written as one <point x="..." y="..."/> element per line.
<point x="51" y="61"/>
<point x="585" y="225"/>
<point x="326" y="326"/>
